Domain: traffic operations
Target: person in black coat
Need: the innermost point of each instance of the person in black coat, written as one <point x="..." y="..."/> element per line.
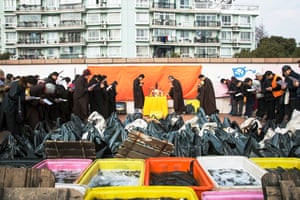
<point x="268" y="94"/>
<point x="112" y="93"/>
<point x="206" y="95"/>
<point x="138" y="93"/>
<point x="12" y="107"/>
<point x="292" y="88"/>
<point x="81" y="95"/>
<point x="176" y="94"/>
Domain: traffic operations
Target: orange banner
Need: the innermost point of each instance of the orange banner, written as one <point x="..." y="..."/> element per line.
<point x="124" y="75"/>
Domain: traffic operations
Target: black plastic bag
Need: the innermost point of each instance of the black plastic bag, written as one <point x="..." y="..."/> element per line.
<point x="40" y="131"/>
<point x="114" y="133"/>
<point x="8" y="147"/>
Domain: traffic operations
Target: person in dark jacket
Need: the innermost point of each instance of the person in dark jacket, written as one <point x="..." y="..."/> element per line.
<point x="138" y="93"/>
<point x="12" y="108"/>
<point x="176" y="94"/>
<point x="206" y="95"/>
<point x="292" y="90"/>
<point x="112" y="93"/>
<point x="99" y="97"/>
<point x="268" y="94"/>
<point x="249" y="93"/>
<point x="237" y="99"/>
<point x="81" y="95"/>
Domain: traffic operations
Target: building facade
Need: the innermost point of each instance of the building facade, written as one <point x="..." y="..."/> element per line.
<point x="50" y="29"/>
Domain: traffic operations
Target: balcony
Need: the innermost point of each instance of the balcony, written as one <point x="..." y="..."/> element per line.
<point x="35" y="9"/>
<point x="214" y="24"/>
<point x="164" y="5"/>
<point x="163" y="39"/>
<point x="163" y="22"/>
<point x="206" y="40"/>
<point x="63" y="25"/>
<point x="205" y="55"/>
<point x="72" y="41"/>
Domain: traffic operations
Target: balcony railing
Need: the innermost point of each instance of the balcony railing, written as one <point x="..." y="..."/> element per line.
<point x="61" y="24"/>
<point x="164" y="5"/>
<point x="205" y="55"/>
<point x="163" y="39"/>
<point x="164" y="22"/>
<point x="200" y="23"/>
<point x="206" y="40"/>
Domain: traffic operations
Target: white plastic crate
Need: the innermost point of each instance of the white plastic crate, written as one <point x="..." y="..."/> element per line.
<point x="232" y="162"/>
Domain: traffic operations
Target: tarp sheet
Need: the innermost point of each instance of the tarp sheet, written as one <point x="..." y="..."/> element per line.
<point x="186" y="74"/>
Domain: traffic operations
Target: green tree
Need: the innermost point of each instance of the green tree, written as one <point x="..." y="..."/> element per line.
<point x="273" y="47"/>
<point x="4" y="56"/>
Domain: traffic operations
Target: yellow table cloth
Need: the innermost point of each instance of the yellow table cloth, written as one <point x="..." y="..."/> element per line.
<point x="156" y="106"/>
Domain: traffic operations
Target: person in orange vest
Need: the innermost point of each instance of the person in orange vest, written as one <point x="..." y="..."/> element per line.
<point x="278" y="93"/>
<point x="273" y="94"/>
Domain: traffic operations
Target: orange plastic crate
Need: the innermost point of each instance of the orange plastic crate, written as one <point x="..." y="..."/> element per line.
<point x="170" y="164"/>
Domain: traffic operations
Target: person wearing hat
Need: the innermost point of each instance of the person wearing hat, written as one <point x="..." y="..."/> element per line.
<point x="81" y="95"/>
<point x="292" y="90"/>
<point x="206" y="95"/>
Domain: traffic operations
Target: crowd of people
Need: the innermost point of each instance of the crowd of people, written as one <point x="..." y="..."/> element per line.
<point x="269" y="96"/>
<point x="28" y="100"/>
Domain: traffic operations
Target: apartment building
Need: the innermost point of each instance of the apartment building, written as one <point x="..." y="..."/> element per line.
<point x="51" y="29"/>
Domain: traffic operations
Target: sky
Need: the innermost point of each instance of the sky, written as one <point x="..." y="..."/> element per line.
<point x="279" y="17"/>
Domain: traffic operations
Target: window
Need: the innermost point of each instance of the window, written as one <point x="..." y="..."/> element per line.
<point x="245" y="36"/>
<point x="184" y="35"/>
<point x="11" y="51"/>
<point x="70" y="16"/>
<point x="206" y="52"/>
<point x="184" y="4"/>
<point x="226" y="35"/>
<point x="71" y="50"/>
<point x="52" y="4"/>
<point x="114" y="34"/>
<point x="51" y="53"/>
<point x="52" y="37"/>
<point x="10" y="20"/>
<point x="70" y="1"/>
<point x="142" y="34"/>
<point x="245" y="20"/>
<point x="226" y="20"/>
<point x="142" y="3"/>
<point x="113" y="3"/>
<point x="184" y="52"/>
<point x="142" y="51"/>
<point x="11" y="37"/>
<point x="30" y="18"/>
<point x="142" y="18"/>
<point x="114" y="18"/>
<point x="93" y="35"/>
<point x="93" y="52"/>
<point x="114" y="51"/>
<point x="225" y="52"/>
<point x="30" y="2"/>
<point x="9" y="4"/>
<point x="93" y="18"/>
